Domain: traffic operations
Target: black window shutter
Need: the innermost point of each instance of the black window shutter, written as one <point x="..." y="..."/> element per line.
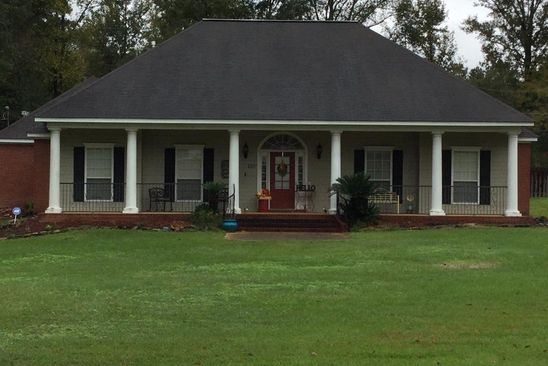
<point x="485" y="177"/>
<point x="446" y="176"/>
<point x="78" y="173"/>
<point x="169" y="173"/>
<point x="119" y="171"/>
<point x="359" y="161"/>
<point x="208" y="169"/>
<point x="397" y="173"/>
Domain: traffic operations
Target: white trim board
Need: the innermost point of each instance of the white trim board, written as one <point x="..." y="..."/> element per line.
<point x="16" y="141"/>
<point x="335" y="124"/>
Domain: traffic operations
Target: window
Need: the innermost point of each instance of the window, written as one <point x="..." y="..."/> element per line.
<point x="99" y="173"/>
<point x="189" y="165"/>
<point x="378" y="165"/>
<point x="300" y="170"/>
<point x="465" y="176"/>
<point x="264" y="167"/>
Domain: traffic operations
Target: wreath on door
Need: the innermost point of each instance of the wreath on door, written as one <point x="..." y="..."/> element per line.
<point x="282" y="169"/>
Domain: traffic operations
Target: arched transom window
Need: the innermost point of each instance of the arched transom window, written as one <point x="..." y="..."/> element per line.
<point x="282" y="142"/>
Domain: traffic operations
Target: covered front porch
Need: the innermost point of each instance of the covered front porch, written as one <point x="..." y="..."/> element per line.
<point x="150" y="169"/>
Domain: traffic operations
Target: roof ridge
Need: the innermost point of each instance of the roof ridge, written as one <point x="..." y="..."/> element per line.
<point x="254" y="20"/>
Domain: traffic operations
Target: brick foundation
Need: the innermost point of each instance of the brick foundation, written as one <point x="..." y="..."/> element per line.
<point x="524" y="177"/>
<point x="426" y="220"/>
<point x="149" y="220"/>
<point x="159" y="220"/>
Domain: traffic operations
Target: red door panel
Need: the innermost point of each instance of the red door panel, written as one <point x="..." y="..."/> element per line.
<point x="282" y="180"/>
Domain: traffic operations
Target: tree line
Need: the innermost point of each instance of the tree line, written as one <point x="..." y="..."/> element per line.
<point x="47" y="46"/>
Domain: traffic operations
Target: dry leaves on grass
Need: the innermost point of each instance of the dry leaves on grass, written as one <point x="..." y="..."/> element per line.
<point x="468" y="265"/>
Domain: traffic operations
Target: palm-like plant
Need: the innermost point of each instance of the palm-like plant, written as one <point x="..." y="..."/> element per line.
<point x="354" y="192"/>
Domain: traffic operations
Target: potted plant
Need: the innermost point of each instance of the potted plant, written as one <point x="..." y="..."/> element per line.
<point x="213" y="189"/>
<point x="263" y="197"/>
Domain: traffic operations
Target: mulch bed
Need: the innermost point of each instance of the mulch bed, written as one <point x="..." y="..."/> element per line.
<point x="34" y="225"/>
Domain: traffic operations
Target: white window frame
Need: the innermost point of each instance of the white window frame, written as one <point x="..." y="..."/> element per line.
<point x="86" y="155"/>
<point x="189" y="147"/>
<point x="367" y="149"/>
<point x="454" y="149"/>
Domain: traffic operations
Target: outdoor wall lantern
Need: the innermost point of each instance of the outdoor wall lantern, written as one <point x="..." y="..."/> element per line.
<point x="245" y="150"/>
<point x="319" y="150"/>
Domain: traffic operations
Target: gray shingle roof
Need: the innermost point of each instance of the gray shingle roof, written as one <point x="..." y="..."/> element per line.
<point x="25" y="125"/>
<point x="527" y="134"/>
<point x="283" y="70"/>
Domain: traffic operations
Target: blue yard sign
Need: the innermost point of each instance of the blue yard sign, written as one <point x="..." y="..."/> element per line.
<point x="16" y="211"/>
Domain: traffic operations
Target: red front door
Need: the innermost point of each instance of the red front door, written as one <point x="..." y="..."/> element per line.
<point x="282" y="180"/>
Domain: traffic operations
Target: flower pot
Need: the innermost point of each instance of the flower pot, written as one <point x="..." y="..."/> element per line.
<point x="230" y="225"/>
<point x="262" y="205"/>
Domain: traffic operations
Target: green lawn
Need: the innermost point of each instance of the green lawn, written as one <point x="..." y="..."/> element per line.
<point x="539" y="206"/>
<point x="430" y="297"/>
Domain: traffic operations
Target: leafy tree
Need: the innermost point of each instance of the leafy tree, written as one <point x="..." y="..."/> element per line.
<point x="370" y="12"/>
<point x="516" y="33"/>
<point x="40" y="58"/>
<point x="172" y="16"/>
<point x="419" y="26"/>
<point x="114" y="33"/>
<point x="283" y="9"/>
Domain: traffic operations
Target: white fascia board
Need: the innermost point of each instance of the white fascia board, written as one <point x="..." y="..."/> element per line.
<point x="16" y="141"/>
<point x="280" y="122"/>
<point x="528" y="139"/>
<point x="38" y="135"/>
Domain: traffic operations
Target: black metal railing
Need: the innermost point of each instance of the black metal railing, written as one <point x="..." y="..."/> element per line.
<point x="92" y="197"/>
<point x="457" y="200"/>
<point x="468" y="199"/>
<point x="166" y="197"/>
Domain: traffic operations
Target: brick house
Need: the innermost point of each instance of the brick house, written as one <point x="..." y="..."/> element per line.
<point x="288" y="106"/>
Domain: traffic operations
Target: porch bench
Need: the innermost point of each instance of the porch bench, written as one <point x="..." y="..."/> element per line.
<point x="386" y="198"/>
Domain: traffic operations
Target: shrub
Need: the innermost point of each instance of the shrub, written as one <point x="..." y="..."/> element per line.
<point x="354" y="191"/>
<point x="205" y="218"/>
<point x="29" y="209"/>
<point x="212" y="193"/>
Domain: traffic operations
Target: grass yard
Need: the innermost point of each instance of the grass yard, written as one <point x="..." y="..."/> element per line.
<point x="429" y="297"/>
<point x="539" y="206"/>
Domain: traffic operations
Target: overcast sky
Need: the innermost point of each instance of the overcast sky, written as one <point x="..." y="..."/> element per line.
<point x="469" y="47"/>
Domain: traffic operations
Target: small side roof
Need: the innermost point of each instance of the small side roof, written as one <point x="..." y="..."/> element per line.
<point x="20" y="129"/>
<point x="527" y="134"/>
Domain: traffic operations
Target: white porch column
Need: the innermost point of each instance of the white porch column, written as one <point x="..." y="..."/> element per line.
<point x="54" y="171"/>
<point x="234" y="169"/>
<point x="436" y="205"/>
<point x="335" y="166"/>
<point x="131" y="172"/>
<point x="512" y="176"/>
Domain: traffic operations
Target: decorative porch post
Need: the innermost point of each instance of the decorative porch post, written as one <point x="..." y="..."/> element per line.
<point x="436" y="207"/>
<point x="512" y="176"/>
<point x="234" y="169"/>
<point x="335" y="166"/>
<point x="54" y="171"/>
<point x="131" y="172"/>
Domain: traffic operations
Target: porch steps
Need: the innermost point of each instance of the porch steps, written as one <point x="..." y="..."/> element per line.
<point x="290" y="222"/>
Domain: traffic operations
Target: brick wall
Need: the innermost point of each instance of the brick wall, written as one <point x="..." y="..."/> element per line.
<point x="24" y="174"/>
<point x="524" y="177"/>
<point x="16" y="174"/>
<point x="40" y="189"/>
